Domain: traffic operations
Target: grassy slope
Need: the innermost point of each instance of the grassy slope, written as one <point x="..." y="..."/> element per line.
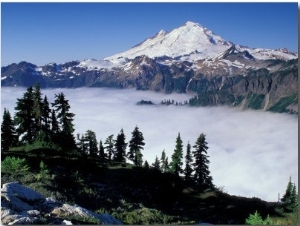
<point x="132" y="192"/>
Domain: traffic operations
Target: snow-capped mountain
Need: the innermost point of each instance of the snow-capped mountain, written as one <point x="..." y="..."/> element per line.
<point x="188" y="39"/>
<point x="192" y="42"/>
<point x="189" y="59"/>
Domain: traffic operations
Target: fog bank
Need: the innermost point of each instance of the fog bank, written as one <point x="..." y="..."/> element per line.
<point x="252" y="153"/>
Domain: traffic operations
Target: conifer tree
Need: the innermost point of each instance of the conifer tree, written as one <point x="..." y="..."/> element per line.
<point x="101" y="151"/>
<point x="164" y="162"/>
<point x="188" y="161"/>
<point x="120" y="148"/>
<point x="166" y="166"/>
<point x="156" y="164"/>
<point x="24" y="117"/>
<point x="139" y="158"/>
<point x="202" y="174"/>
<point x="109" y="142"/>
<point x="65" y="119"/>
<point x="8" y="132"/>
<point x="55" y="131"/>
<point x="37" y="109"/>
<point x="82" y="144"/>
<point x="176" y="163"/>
<point x="290" y="198"/>
<point x="136" y="145"/>
<point x="294" y="198"/>
<point x="92" y="143"/>
<point x="146" y="165"/>
<point x="45" y="118"/>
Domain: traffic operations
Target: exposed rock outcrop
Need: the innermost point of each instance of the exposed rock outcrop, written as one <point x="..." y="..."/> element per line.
<point x="22" y="205"/>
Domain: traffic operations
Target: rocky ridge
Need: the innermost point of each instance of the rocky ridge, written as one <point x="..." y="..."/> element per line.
<point x="22" y="205"/>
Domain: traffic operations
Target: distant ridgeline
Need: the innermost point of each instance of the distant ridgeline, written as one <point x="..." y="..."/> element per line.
<point x="271" y="90"/>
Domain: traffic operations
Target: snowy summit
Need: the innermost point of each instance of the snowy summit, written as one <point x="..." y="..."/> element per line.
<point x="191" y="42"/>
<point x="191" y="38"/>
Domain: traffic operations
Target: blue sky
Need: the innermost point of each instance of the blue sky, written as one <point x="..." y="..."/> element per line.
<point x="41" y="33"/>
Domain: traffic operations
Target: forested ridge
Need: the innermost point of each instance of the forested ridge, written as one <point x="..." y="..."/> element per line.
<point x="39" y="149"/>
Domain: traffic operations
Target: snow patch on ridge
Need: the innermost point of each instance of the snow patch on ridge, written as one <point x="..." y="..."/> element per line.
<point x="92" y="64"/>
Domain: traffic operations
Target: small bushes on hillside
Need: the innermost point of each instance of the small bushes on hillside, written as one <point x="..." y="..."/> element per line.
<point x="13" y="165"/>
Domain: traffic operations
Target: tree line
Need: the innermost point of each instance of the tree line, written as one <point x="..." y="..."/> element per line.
<point x="50" y="125"/>
<point x="35" y="122"/>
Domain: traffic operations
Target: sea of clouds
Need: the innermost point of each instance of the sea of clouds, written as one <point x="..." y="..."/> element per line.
<point x="252" y="153"/>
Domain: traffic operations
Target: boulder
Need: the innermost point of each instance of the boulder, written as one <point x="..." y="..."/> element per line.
<point x="21" y="192"/>
<point x="19" y="198"/>
<point x="22" y="205"/>
<point x="75" y="210"/>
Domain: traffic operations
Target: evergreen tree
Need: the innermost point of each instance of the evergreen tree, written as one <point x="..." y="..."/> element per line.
<point x="82" y="144"/>
<point x="55" y="131"/>
<point x="65" y="119"/>
<point x="139" y="158"/>
<point x="166" y="166"/>
<point x="164" y="162"/>
<point x="109" y="142"/>
<point x="92" y="143"/>
<point x="290" y="198"/>
<point x="188" y="161"/>
<point x="37" y="109"/>
<point x="8" y="132"/>
<point x="146" y="165"/>
<point x="202" y="174"/>
<point x="136" y="146"/>
<point x="156" y="164"/>
<point x="24" y="117"/>
<point x="45" y="117"/>
<point x="101" y="151"/>
<point x="176" y="163"/>
<point x="294" y="198"/>
<point x="120" y="147"/>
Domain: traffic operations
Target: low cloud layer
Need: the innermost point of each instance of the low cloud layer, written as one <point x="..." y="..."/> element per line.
<point x="252" y="153"/>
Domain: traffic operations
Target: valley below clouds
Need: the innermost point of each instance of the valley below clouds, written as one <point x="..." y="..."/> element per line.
<point x="252" y="153"/>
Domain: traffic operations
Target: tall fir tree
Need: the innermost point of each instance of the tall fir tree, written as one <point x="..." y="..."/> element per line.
<point x="92" y="144"/>
<point x="65" y="119"/>
<point x="166" y="165"/>
<point x="45" y="118"/>
<point x="202" y="176"/>
<point x="37" y="110"/>
<point x="290" y="198"/>
<point x="146" y="165"/>
<point x="136" y="145"/>
<point x="8" y="132"/>
<point x="138" y="158"/>
<point x="109" y="146"/>
<point x="120" y="148"/>
<point x="101" y="151"/>
<point x="176" y="163"/>
<point x="24" y="117"/>
<point x="164" y="162"/>
<point x="82" y="144"/>
<point x="55" y="131"/>
<point x="188" y="170"/>
<point x="156" y="164"/>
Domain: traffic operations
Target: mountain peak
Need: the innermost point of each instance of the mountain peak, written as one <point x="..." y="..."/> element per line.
<point x="192" y="42"/>
<point x="191" y="23"/>
<point x="182" y="41"/>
